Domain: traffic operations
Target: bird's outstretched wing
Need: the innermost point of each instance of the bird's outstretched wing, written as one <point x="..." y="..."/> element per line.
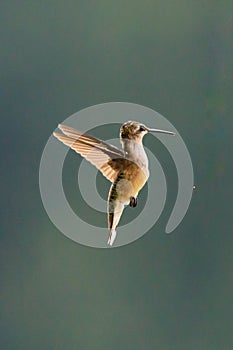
<point x="101" y="154"/>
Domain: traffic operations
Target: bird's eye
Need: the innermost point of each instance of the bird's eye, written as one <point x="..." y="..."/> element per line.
<point x="142" y="128"/>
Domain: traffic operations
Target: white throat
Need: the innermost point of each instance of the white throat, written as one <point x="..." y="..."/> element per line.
<point x="135" y="151"/>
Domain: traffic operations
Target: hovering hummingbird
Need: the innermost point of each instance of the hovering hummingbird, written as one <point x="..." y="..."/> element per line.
<point x="127" y="169"/>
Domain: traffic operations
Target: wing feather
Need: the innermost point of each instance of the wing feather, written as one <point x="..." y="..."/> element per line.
<point x="99" y="153"/>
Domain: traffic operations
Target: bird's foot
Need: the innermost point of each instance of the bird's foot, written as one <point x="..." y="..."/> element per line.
<point x="133" y="202"/>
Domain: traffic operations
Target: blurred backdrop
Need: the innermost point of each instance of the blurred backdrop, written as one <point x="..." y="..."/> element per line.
<point x="163" y="291"/>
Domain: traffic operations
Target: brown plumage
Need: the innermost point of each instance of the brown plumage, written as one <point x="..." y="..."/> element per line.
<point x="127" y="169"/>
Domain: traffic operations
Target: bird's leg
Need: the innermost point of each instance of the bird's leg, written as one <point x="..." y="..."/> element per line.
<point x="133" y="202"/>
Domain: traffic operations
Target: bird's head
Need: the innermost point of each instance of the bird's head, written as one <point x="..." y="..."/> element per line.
<point x="132" y="130"/>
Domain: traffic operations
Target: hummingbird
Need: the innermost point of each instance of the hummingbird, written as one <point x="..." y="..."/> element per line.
<point x="127" y="168"/>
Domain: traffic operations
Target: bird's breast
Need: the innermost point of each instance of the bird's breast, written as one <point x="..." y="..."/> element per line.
<point x="136" y="176"/>
<point x="128" y="183"/>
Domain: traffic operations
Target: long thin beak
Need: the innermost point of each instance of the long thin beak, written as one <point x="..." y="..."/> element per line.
<point x="162" y="131"/>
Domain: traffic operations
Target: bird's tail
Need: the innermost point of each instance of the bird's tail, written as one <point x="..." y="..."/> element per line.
<point x="111" y="237"/>
<point x="115" y="209"/>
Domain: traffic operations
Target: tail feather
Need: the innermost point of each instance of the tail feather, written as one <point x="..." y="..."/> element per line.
<point x="115" y="209"/>
<point x="111" y="237"/>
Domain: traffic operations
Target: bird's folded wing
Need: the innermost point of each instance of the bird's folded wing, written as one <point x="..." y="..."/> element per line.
<point x="97" y="152"/>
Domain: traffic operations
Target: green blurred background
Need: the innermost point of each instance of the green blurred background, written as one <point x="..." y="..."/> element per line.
<point x="163" y="291"/>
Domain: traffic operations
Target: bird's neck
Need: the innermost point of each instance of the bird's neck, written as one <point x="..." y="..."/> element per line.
<point x="134" y="151"/>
